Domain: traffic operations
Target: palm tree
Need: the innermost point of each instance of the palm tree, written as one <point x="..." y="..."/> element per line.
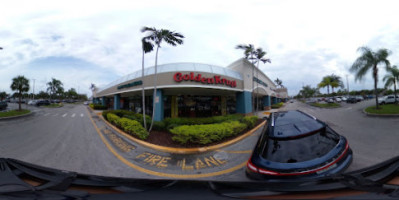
<point x="279" y="83"/>
<point x="259" y="54"/>
<point x="370" y="60"/>
<point x="325" y="82"/>
<point x="146" y="47"/>
<point x="158" y="36"/>
<point x="392" y="78"/>
<point x="3" y="95"/>
<point x="335" y="82"/>
<point x="20" y="84"/>
<point x="249" y="54"/>
<point x="53" y="86"/>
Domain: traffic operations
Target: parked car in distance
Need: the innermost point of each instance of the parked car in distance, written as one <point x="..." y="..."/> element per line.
<point x="338" y="99"/>
<point x="351" y="100"/>
<point x="42" y="102"/>
<point x="330" y="100"/>
<point x="359" y="98"/>
<point x="388" y="99"/>
<point x="3" y="105"/>
<point x="297" y="145"/>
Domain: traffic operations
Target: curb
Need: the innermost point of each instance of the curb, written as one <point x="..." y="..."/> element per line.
<point x="380" y="115"/>
<point x="18" y="116"/>
<point x="184" y="150"/>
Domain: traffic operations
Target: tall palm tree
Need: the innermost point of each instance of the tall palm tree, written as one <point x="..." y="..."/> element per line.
<point x="336" y="81"/>
<point x="279" y="83"/>
<point x="370" y="60"/>
<point x="259" y="56"/>
<point x="20" y="84"/>
<point x="325" y="82"/>
<point x="158" y="36"/>
<point x="249" y="54"/>
<point x="392" y="78"/>
<point x="146" y="47"/>
<point x="53" y="86"/>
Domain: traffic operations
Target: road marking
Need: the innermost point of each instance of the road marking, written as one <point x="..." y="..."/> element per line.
<point x="55" y="114"/>
<point x="46" y="114"/>
<point x="73" y="115"/>
<point x="81" y="114"/>
<point x="138" y="168"/>
<point x="64" y="115"/>
<point x="238" y="152"/>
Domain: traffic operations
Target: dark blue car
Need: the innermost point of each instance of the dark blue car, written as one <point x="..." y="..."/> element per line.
<point x="294" y="144"/>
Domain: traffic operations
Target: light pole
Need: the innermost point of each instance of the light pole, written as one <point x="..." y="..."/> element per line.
<point x="347" y="84"/>
<point x="33" y="89"/>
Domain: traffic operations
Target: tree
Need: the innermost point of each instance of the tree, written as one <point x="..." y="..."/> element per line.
<point x="3" y="95"/>
<point x="249" y="54"/>
<point x="21" y="85"/>
<point x="370" y="60"/>
<point x="53" y="86"/>
<point x="279" y="83"/>
<point x="146" y="47"/>
<point x="308" y="91"/>
<point x="336" y="81"/>
<point x="392" y="78"/>
<point x="158" y="36"/>
<point x="259" y="56"/>
<point x="71" y="93"/>
<point x="325" y="82"/>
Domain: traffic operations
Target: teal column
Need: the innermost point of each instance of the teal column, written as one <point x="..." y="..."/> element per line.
<point x="159" y="112"/>
<point x="117" y="101"/>
<point x="274" y="100"/>
<point x="243" y="102"/>
<point x="103" y="101"/>
<point x="267" y="101"/>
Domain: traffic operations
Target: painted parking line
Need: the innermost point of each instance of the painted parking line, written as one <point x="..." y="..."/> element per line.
<point x="73" y="115"/>
<point x="64" y="115"/>
<point x="55" y="114"/>
<point x="81" y="115"/>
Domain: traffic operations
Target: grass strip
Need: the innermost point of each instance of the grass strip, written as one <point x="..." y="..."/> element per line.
<point x="54" y="105"/>
<point x="326" y="105"/>
<point x="384" y="109"/>
<point x="13" y="113"/>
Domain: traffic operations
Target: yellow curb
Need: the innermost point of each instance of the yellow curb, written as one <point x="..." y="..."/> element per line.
<point x="185" y="150"/>
<point x="155" y="173"/>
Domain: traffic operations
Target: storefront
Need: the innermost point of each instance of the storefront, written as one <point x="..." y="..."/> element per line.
<point x="192" y="90"/>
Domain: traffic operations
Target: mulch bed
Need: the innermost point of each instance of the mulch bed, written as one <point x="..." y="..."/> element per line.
<point x="164" y="138"/>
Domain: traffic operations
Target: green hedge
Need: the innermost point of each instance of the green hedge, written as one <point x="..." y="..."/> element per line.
<point x="98" y="107"/>
<point x="206" y="133"/>
<point x="277" y="105"/>
<point x="132" y="127"/>
<point x="171" y="123"/>
<point x="130" y="115"/>
<point x="250" y="121"/>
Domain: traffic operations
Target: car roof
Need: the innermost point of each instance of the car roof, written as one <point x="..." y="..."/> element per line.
<point x="293" y="123"/>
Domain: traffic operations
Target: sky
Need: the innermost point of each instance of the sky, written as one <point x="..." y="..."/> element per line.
<point x="84" y="42"/>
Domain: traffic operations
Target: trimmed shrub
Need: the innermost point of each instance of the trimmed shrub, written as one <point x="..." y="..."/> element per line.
<point x="277" y="105"/>
<point x="132" y="127"/>
<point x="173" y="122"/>
<point x="98" y="107"/>
<point x="206" y="133"/>
<point x="130" y="115"/>
<point x="250" y="121"/>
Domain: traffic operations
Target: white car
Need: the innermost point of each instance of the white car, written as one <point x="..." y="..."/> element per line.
<point x="344" y="99"/>
<point x="337" y="99"/>
<point x="388" y="99"/>
<point x="32" y="102"/>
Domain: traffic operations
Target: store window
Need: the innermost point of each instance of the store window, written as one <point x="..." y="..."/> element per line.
<point x="199" y="106"/>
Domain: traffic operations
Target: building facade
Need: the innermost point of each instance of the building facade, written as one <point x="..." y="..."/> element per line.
<point x="193" y="90"/>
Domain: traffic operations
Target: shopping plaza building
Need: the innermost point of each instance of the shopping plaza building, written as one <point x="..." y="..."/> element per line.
<point x="193" y="90"/>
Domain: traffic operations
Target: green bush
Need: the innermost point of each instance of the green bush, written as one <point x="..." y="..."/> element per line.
<point x="250" y="121"/>
<point x="206" y="133"/>
<point x="173" y="122"/>
<point x="130" y="115"/>
<point x="277" y="105"/>
<point x="158" y="126"/>
<point x="98" y="107"/>
<point x="132" y="127"/>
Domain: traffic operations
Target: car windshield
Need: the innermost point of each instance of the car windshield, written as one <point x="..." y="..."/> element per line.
<point x="300" y="149"/>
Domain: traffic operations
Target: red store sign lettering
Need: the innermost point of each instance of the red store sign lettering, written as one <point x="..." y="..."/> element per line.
<point x="179" y="77"/>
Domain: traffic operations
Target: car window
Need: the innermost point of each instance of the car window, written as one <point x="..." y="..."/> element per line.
<point x="300" y="149"/>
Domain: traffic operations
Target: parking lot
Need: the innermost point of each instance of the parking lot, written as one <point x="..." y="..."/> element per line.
<point x="76" y="139"/>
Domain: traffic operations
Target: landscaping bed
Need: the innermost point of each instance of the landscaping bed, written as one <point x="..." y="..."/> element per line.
<point x="183" y="132"/>
<point x="13" y="113"/>
<point x="326" y="105"/>
<point x="389" y="109"/>
<point x="54" y="105"/>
